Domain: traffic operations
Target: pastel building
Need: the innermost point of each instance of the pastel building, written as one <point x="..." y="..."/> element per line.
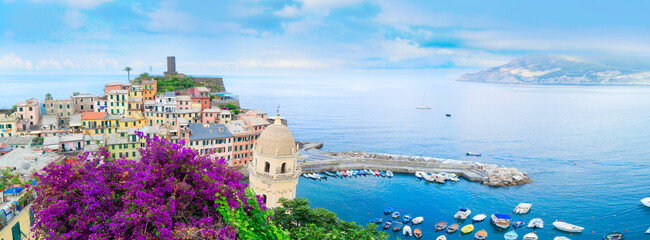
<point x="243" y="142"/>
<point x="64" y="108"/>
<point x="207" y="138"/>
<point x="149" y="89"/>
<point x="7" y="125"/>
<point x="274" y="171"/>
<point x="115" y="86"/>
<point x="71" y="142"/>
<point x="200" y="95"/>
<point x="216" y="115"/>
<point x="135" y="102"/>
<point x="183" y="102"/>
<point x="28" y="112"/>
<point x="84" y="103"/>
<point x="124" y="143"/>
<point x="101" y="104"/>
<point x="117" y="102"/>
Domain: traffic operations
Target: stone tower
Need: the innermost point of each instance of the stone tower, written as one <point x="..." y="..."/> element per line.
<point x="171" y="66"/>
<point x="274" y="171"/>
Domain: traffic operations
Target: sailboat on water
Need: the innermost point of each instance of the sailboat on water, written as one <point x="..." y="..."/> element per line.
<point x="423" y="106"/>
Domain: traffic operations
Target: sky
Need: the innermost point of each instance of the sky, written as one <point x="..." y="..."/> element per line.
<point x="294" y="37"/>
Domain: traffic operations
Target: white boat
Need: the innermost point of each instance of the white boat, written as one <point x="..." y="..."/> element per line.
<point x="389" y="174"/>
<point x="646" y="201"/>
<point x="479" y="218"/>
<point x="452" y="177"/>
<point x="423" y="106"/>
<point x="523" y="208"/>
<point x="647" y="231"/>
<point x="407" y="231"/>
<point x="567" y="227"/>
<point x="417" y="220"/>
<point x="428" y="177"/>
<point x="561" y="238"/>
<point x="536" y="223"/>
<point x="441" y="237"/>
<point x="419" y="174"/>
<point x="315" y="176"/>
<point x="530" y="236"/>
<point x="438" y="178"/>
<point x="463" y="213"/>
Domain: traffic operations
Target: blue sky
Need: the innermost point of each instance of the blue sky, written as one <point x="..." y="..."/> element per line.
<point x="249" y="37"/>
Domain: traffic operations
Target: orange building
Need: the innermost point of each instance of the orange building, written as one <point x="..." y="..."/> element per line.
<point x="149" y="89"/>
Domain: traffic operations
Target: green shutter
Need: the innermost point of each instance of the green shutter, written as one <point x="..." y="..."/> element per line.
<point x="31" y="216"/>
<point x="15" y="231"/>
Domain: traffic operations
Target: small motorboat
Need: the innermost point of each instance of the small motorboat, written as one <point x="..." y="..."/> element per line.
<point x="407" y="231"/>
<point x="376" y="220"/>
<point x="467" y="229"/>
<point x="344" y="173"/>
<point x="517" y="224"/>
<point x="395" y="214"/>
<point x="429" y="177"/>
<point x="561" y="238"/>
<point x="417" y="233"/>
<point x="420" y="175"/>
<point x="646" y="201"/>
<point x="452" y="177"/>
<point x="462" y="213"/>
<point x="647" y="231"/>
<point x="512" y="235"/>
<point x="418" y="220"/>
<point x="397" y="227"/>
<point x="305" y="175"/>
<point x="567" y="227"/>
<point x="441" y="237"/>
<point x="448" y="115"/>
<point x="614" y="236"/>
<point x="523" y="208"/>
<point x="441" y="226"/>
<point x="479" y="218"/>
<point x="530" y="236"/>
<point x="376" y="172"/>
<point x="423" y="107"/>
<point x="389" y="174"/>
<point x="382" y="174"/>
<point x="321" y="175"/>
<point x="406" y="218"/>
<point x="339" y="174"/>
<point x="439" y="178"/>
<point x="315" y="176"/>
<point x="473" y="154"/>
<point x="387" y="225"/>
<point x="501" y="221"/>
<point x="480" y="235"/>
<point x="536" y="223"/>
<point x="388" y="210"/>
<point x="452" y="228"/>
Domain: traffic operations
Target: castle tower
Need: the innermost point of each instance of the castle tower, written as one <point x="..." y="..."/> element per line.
<point x="171" y="66"/>
<point x="274" y="171"/>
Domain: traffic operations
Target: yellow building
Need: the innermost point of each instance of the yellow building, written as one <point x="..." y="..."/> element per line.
<point x="274" y="170"/>
<point x="7" y="125"/>
<point x="124" y="143"/>
<point x="19" y="227"/>
<point x="129" y="122"/>
<point x="117" y="102"/>
<point x="135" y="102"/>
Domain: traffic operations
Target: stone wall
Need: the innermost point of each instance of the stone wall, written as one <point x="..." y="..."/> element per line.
<point x="214" y="84"/>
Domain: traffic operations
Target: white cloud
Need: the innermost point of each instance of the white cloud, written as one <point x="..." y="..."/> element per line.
<point x="10" y="62"/>
<point x="324" y="6"/>
<point x="287" y="12"/>
<point x="401" y="49"/>
<point x="78" y="4"/>
<point x="74" y="19"/>
<point x="300" y="26"/>
<point x="169" y="18"/>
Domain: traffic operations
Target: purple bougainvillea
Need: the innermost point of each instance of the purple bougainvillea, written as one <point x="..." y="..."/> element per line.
<point x="170" y="193"/>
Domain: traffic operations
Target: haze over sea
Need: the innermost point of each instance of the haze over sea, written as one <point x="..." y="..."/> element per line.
<point x="585" y="147"/>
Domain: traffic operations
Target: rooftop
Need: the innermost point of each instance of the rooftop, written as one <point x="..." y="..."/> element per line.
<point x="84" y="95"/>
<point x="118" y="92"/>
<point x="50" y="120"/>
<point x="169" y="94"/>
<point x="115" y="84"/>
<point x="71" y="137"/>
<point x="258" y="111"/>
<point x="49" y="141"/>
<point x="18" y="140"/>
<point x="75" y="120"/>
<point x="202" y="89"/>
<point x="255" y="120"/>
<point x="183" y="98"/>
<point x="212" y="131"/>
<point x="25" y="161"/>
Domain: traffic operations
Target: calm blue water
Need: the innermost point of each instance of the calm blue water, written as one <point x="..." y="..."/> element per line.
<point x="586" y="147"/>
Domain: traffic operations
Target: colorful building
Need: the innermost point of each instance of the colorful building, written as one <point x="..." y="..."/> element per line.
<point x="28" y="112"/>
<point x="64" y="108"/>
<point x="84" y="103"/>
<point x="116" y="101"/>
<point x="149" y="89"/>
<point x="7" y="125"/>
<point x="135" y="102"/>
<point x="207" y="138"/>
<point x="183" y="102"/>
<point x="115" y="86"/>
<point x="200" y="95"/>
<point x="92" y="122"/>
<point x="124" y="143"/>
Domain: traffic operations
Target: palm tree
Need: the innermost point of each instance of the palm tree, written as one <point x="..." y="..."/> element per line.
<point x="128" y="71"/>
<point x="48" y="96"/>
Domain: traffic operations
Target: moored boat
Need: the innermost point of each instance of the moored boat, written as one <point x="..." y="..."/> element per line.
<point x="447" y="115"/>
<point x="387" y="225"/>
<point x="397" y="226"/>
<point x="473" y="154"/>
<point x="417" y="233"/>
<point x="419" y="174"/>
<point x="647" y="231"/>
<point x="452" y="177"/>
<point x="467" y="229"/>
<point x="406" y="218"/>
<point x="439" y="178"/>
<point x="646" y="201"/>
<point x="428" y="177"/>
<point x="523" y="208"/>
<point x="441" y="226"/>
<point x="452" y="228"/>
<point x="479" y="218"/>
<point x="561" y="238"/>
<point x="407" y="231"/>
<point x="388" y="210"/>
<point x="501" y="221"/>
<point x="567" y="227"/>
<point x="517" y="224"/>
<point x="530" y="236"/>
<point x="512" y="235"/>
<point x="305" y="175"/>
<point x="418" y="220"/>
<point x="462" y="213"/>
<point x="536" y="223"/>
<point x="395" y="214"/>
<point x="614" y="236"/>
<point x="441" y="237"/>
<point x="376" y="172"/>
<point x="382" y="173"/>
<point x="480" y="235"/>
<point x="389" y="174"/>
<point x="376" y="220"/>
<point x="339" y="174"/>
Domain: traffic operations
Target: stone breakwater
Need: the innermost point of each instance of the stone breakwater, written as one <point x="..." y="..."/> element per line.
<point x="489" y="174"/>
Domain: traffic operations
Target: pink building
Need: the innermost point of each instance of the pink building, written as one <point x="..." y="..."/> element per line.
<point x="256" y="112"/>
<point x="206" y="138"/>
<point x="200" y="95"/>
<point x="183" y="102"/>
<point x="216" y="115"/>
<point x="71" y="143"/>
<point x="29" y="112"/>
<point x="115" y="86"/>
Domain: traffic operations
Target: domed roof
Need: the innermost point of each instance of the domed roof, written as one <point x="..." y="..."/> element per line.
<point x="276" y="139"/>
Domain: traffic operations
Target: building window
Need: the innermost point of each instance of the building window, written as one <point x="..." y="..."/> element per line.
<point x="283" y="169"/>
<point x="267" y="167"/>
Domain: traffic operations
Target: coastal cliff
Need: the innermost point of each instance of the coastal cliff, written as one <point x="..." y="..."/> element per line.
<point x="551" y="69"/>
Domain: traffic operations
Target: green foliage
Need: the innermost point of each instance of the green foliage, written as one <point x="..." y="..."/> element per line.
<point x="254" y="225"/>
<point x="14" y="108"/>
<point x="232" y="107"/>
<point x="303" y="222"/>
<point x="169" y="84"/>
<point x="75" y="93"/>
<point x="37" y="141"/>
<point x="48" y="96"/>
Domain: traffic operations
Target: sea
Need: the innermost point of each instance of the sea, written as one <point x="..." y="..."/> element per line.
<point x="586" y="148"/>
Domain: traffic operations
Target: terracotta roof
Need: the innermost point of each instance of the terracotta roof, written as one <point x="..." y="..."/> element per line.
<point x="93" y="115"/>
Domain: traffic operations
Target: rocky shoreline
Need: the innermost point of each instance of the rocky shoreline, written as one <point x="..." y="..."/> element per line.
<point x="496" y="175"/>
